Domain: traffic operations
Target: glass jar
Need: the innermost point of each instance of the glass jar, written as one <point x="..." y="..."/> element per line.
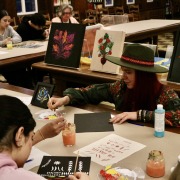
<point x="69" y="135"/>
<point x="155" y="166"/>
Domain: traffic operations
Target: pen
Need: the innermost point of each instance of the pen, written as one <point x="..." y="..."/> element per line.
<point x="29" y="160"/>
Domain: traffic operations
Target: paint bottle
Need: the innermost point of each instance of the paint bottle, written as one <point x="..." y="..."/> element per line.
<point x="159" y="123"/>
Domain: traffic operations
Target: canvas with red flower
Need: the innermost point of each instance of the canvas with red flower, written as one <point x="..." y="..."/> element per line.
<point x="104" y="47"/>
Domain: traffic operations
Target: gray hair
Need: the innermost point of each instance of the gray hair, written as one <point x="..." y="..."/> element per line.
<point x="63" y="7"/>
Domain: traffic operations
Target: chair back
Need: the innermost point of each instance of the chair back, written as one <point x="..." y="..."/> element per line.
<point x="119" y="10"/>
<point x="134" y="9"/>
<point x="47" y="17"/>
<point x="20" y="19"/>
<point x="89" y="21"/>
<point x="76" y="15"/>
<point x="13" y="21"/>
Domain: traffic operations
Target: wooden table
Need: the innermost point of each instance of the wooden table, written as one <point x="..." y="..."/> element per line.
<point x="22" y="57"/>
<point x="85" y="76"/>
<point x="141" y="134"/>
<point x="88" y="107"/>
<point x="21" y="61"/>
<point x="140" y="30"/>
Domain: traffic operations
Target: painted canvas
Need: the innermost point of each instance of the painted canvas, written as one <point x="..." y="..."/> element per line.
<point x="107" y="43"/>
<point x="65" y="44"/>
<point x="60" y="167"/>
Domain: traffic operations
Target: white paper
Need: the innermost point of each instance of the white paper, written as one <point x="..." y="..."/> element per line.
<point x="26" y="100"/>
<point x="2" y="52"/>
<point x="36" y="155"/>
<point x="110" y="149"/>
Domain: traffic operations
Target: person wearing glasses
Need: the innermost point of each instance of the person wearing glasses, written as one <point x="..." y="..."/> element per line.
<point x="7" y="33"/>
<point x="65" y="15"/>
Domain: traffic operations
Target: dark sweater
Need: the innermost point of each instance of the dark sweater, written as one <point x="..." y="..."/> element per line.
<point x="27" y="32"/>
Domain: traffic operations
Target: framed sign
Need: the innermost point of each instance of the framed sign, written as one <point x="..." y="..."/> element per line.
<point x="41" y="94"/>
<point x="108" y="3"/>
<point x="130" y="1"/>
<point x="149" y="0"/>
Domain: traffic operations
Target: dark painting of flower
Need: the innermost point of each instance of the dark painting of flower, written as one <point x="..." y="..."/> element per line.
<point x="63" y="43"/>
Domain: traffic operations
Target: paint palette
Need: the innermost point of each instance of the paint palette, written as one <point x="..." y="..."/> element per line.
<point x="47" y="115"/>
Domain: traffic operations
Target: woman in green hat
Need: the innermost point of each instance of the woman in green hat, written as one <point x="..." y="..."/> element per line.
<point x="136" y="95"/>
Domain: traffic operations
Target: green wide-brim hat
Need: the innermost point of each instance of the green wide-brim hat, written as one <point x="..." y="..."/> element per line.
<point x="138" y="57"/>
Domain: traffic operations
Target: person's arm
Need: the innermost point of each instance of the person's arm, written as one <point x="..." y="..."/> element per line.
<point x="171" y="102"/>
<point x="16" y="38"/>
<point x="93" y="94"/>
<point x="49" y="130"/>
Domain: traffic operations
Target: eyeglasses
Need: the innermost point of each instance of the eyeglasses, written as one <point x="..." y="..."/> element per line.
<point x="68" y="13"/>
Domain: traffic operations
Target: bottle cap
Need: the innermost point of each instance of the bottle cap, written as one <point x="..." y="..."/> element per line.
<point x="159" y="106"/>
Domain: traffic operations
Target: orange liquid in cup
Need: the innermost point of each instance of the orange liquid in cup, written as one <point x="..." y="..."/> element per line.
<point x="69" y="138"/>
<point x="155" y="169"/>
<point x="69" y="135"/>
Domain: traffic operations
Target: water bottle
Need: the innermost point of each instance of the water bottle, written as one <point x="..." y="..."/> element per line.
<point x="159" y="124"/>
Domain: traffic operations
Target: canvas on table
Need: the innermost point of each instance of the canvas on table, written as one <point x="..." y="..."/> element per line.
<point x="107" y="43"/>
<point x="65" y="44"/>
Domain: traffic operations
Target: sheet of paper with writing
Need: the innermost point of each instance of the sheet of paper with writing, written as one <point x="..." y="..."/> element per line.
<point x="110" y="149"/>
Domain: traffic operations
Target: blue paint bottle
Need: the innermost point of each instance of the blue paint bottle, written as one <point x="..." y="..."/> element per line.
<point x="159" y="121"/>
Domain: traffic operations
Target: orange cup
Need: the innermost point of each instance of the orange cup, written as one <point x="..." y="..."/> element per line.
<point x="69" y="135"/>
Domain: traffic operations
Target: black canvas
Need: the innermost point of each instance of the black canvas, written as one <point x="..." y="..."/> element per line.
<point x="65" y="44"/>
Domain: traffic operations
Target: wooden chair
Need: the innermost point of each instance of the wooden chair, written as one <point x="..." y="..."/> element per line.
<point x="47" y="17"/>
<point x="13" y="21"/>
<point x="104" y="11"/>
<point x="76" y="15"/>
<point x="91" y="14"/>
<point x="20" y="19"/>
<point x="15" y="27"/>
<point x="89" y="21"/>
<point x="111" y="10"/>
<point x="131" y="17"/>
<point x="134" y="9"/>
<point x="119" y="10"/>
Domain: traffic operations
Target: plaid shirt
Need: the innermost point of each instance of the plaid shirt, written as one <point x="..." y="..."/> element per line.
<point x="114" y="92"/>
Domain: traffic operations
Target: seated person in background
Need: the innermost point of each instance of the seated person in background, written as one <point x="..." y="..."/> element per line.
<point x="17" y="137"/>
<point x="136" y="94"/>
<point x="65" y="15"/>
<point x="7" y="33"/>
<point x="32" y="27"/>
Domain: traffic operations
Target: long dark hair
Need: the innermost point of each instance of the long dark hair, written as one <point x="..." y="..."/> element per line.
<point x="3" y="13"/>
<point x="145" y="93"/>
<point x="13" y="115"/>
